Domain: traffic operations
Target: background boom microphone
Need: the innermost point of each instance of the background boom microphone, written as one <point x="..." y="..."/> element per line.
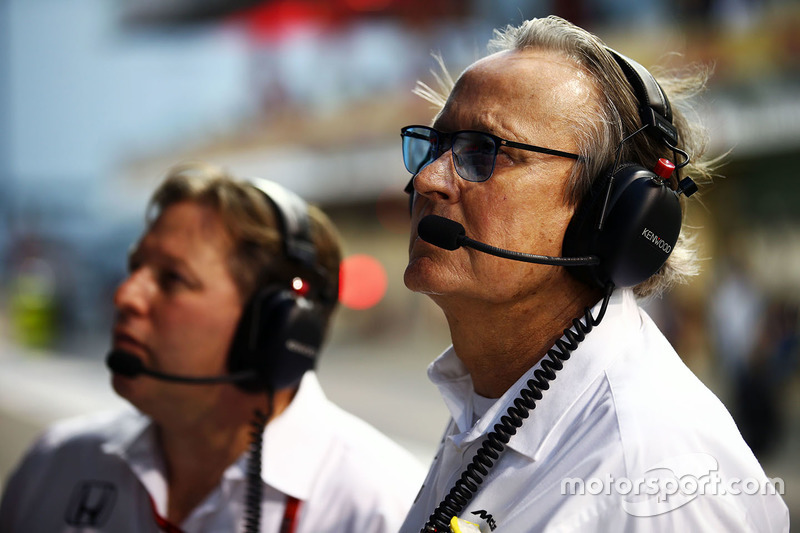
<point x="451" y="235"/>
<point x="128" y="365"/>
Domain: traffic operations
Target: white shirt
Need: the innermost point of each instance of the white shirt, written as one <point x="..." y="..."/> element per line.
<point x="625" y="439"/>
<point x="98" y="473"/>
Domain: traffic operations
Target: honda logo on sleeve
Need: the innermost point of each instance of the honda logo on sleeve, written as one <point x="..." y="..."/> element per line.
<point x="91" y="504"/>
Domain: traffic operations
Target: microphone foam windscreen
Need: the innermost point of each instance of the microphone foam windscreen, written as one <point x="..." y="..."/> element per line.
<point x="441" y="232"/>
<point x="124" y="363"/>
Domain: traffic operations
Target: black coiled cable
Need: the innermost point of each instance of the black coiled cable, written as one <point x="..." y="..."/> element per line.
<point x="495" y="443"/>
<point x="252" y="521"/>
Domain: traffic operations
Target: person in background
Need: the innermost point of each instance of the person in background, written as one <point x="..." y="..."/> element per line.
<point x="218" y="326"/>
<point x="547" y="199"/>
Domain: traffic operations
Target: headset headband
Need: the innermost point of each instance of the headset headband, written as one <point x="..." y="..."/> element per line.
<point x="292" y="214"/>
<point x="654" y="107"/>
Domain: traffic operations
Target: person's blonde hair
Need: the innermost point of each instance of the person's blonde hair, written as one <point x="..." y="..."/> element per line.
<point x="258" y="256"/>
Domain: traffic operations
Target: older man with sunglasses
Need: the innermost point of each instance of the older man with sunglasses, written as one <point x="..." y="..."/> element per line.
<point x="546" y="198"/>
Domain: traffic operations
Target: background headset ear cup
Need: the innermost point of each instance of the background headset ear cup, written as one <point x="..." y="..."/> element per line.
<point x="642" y="225"/>
<point x="280" y="333"/>
<point x="279" y="336"/>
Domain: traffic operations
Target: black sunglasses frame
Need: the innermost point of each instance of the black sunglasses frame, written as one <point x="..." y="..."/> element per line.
<point x="444" y="143"/>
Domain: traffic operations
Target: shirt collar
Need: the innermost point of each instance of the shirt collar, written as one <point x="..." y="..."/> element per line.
<point x="133" y="439"/>
<point x="130" y="435"/>
<point x="451" y="377"/>
<point x="593" y="355"/>
<point x="304" y="425"/>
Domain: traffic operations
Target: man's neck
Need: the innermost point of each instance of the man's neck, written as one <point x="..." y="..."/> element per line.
<point x="499" y="343"/>
<point x="197" y="454"/>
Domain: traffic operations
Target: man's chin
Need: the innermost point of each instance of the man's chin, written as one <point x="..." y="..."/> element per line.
<point x="125" y="387"/>
<point x="420" y="277"/>
<point x="416" y="276"/>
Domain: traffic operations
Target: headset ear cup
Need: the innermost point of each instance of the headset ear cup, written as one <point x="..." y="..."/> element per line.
<point x="581" y="234"/>
<point x="642" y="225"/>
<point x="293" y="344"/>
<point x="279" y="336"/>
<point x="241" y="352"/>
<point x="641" y="229"/>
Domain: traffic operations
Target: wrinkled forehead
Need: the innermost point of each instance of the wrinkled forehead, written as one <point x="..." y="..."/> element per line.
<point x="534" y="72"/>
<point x="533" y="88"/>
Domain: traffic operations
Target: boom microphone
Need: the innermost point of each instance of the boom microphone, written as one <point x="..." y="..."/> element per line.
<point x="128" y="365"/>
<point x="451" y="235"/>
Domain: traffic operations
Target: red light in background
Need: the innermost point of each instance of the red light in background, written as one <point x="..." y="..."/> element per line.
<point x="362" y="282"/>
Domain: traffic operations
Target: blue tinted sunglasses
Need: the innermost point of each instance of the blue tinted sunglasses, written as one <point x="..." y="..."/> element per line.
<point x="474" y="152"/>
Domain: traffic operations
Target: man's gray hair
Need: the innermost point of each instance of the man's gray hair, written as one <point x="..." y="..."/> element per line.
<point x="616" y="116"/>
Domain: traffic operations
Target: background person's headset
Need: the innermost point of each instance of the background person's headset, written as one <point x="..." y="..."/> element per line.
<point x="281" y="329"/>
<point x="631" y="217"/>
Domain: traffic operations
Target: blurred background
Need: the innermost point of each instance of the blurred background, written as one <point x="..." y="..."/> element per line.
<point x="98" y="98"/>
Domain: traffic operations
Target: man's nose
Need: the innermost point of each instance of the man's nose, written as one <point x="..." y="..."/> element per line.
<point x="133" y="294"/>
<point x="438" y="181"/>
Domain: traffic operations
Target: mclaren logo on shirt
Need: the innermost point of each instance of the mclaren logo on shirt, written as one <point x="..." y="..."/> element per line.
<point x="90" y="504"/>
<point x="486" y="517"/>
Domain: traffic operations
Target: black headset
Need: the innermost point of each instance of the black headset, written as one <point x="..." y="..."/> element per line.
<point x="631" y="217"/>
<point x="280" y="332"/>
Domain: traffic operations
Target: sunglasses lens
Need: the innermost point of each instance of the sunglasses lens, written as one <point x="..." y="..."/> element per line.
<point x="419" y="148"/>
<point x="474" y="154"/>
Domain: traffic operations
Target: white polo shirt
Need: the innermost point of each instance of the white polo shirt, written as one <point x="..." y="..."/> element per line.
<point x="99" y="473"/>
<point x="625" y="439"/>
